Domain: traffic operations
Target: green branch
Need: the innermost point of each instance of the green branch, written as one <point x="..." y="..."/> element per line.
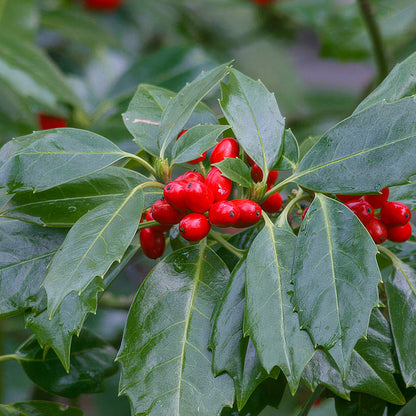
<point x="221" y="240"/>
<point x="375" y="36"/>
<point x="8" y="357"/>
<point x="142" y="162"/>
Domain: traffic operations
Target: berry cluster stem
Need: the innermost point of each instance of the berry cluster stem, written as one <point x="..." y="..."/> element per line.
<point x="8" y="357"/>
<point x="142" y="162"/>
<point x="221" y="240"/>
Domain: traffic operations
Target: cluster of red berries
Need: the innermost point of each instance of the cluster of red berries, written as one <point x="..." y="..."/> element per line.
<point x="196" y="203"/>
<point x="383" y="219"/>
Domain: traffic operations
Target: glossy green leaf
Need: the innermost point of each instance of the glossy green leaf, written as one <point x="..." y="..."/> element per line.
<point x="19" y="18"/>
<point x="143" y="116"/>
<point x="63" y="205"/>
<point x="78" y="26"/>
<point x="401" y="297"/>
<point x="195" y="141"/>
<point x="38" y="408"/>
<point x="236" y="170"/>
<point x="25" y="252"/>
<point x="290" y="156"/>
<point x="231" y="352"/>
<point x="31" y="73"/>
<point x="269" y="319"/>
<point x="372" y="366"/>
<point x="92" y="362"/>
<point x="98" y="239"/>
<point x="352" y="157"/>
<point x="69" y="319"/>
<point x="54" y="157"/>
<point x="322" y="370"/>
<point x="255" y="118"/>
<point x="179" y="109"/>
<point x="401" y="82"/>
<point x="166" y="366"/>
<point x="335" y="276"/>
<point x="360" y="405"/>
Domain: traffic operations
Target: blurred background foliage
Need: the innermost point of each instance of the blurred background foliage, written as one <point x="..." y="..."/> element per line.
<point x="59" y="58"/>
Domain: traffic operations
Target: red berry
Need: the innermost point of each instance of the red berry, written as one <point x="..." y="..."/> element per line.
<point x="362" y="209"/>
<point x="304" y="212"/>
<point x="256" y="173"/>
<point x="250" y="212"/>
<point x="198" y="159"/>
<point x="198" y="197"/>
<point x="152" y="242"/>
<point x="161" y="227"/>
<point x="400" y="233"/>
<point x="378" y="201"/>
<point x="346" y="198"/>
<point x="194" y="227"/>
<point x="219" y="185"/>
<point x="103" y="4"/>
<point x="174" y="193"/>
<point x="50" y="122"/>
<point x="263" y="2"/>
<point x="164" y="213"/>
<point x="272" y="178"/>
<point x="395" y="213"/>
<point x="273" y="203"/>
<point x="223" y="214"/>
<point x="191" y="175"/>
<point x="227" y="147"/>
<point x="377" y="230"/>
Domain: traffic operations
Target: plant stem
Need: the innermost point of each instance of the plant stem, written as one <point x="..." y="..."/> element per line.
<point x="389" y="254"/>
<point x="312" y="399"/>
<point x="8" y="357"/>
<point x="221" y="240"/>
<point x="280" y="185"/>
<point x="375" y="36"/>
<point x="142" y="162"/>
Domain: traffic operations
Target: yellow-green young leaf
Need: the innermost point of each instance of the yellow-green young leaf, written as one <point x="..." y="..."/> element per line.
<point x="231" y="352"/>
<point x="37" y="408"/>
<point x="65" y="204"/>
<point x="25" y="252"/>
<point x="401" y="297"/>
<point x="335" y="276"/>
<point x="401" y="82"/>
<point x="254" y="116"/>
<point x="45" y="159"/>
<point x="290" y="155"/>
<point x="366" y="152"/>
<point x="179" y="109"/>
<point x="166" y="366"/>
<point x="236" y="170"/>
<point x="92" y="362"/>
<point x="31" y="73"/>
<point x="95" y="241"/>
<point x="269" y="319"/>
<point x="195" y="141"/>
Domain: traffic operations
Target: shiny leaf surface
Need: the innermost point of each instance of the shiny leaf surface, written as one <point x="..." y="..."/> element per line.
<point x="254" y="116"/>
<point x="25" y="252"/>
<point x="335" y="275"/>
<point x="195" y="141"/>
<point x="290" y="155"/>
<point x="63" y="205"/>
<point x="269" y="319"/>
<point x="400" y="287"/>
<point x="231" y="351"/>
<point x="98" y="239"/>
<point x="92" y="362"/>
<point x="179" y="109"/>
<point x="362" y="146"/>
<point x="53" y="157"/>
<point x="38" y="408"/>
<point x="166" y="366"/>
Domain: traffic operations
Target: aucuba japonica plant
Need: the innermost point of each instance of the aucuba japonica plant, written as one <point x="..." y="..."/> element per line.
<point x="247" y="294"/>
